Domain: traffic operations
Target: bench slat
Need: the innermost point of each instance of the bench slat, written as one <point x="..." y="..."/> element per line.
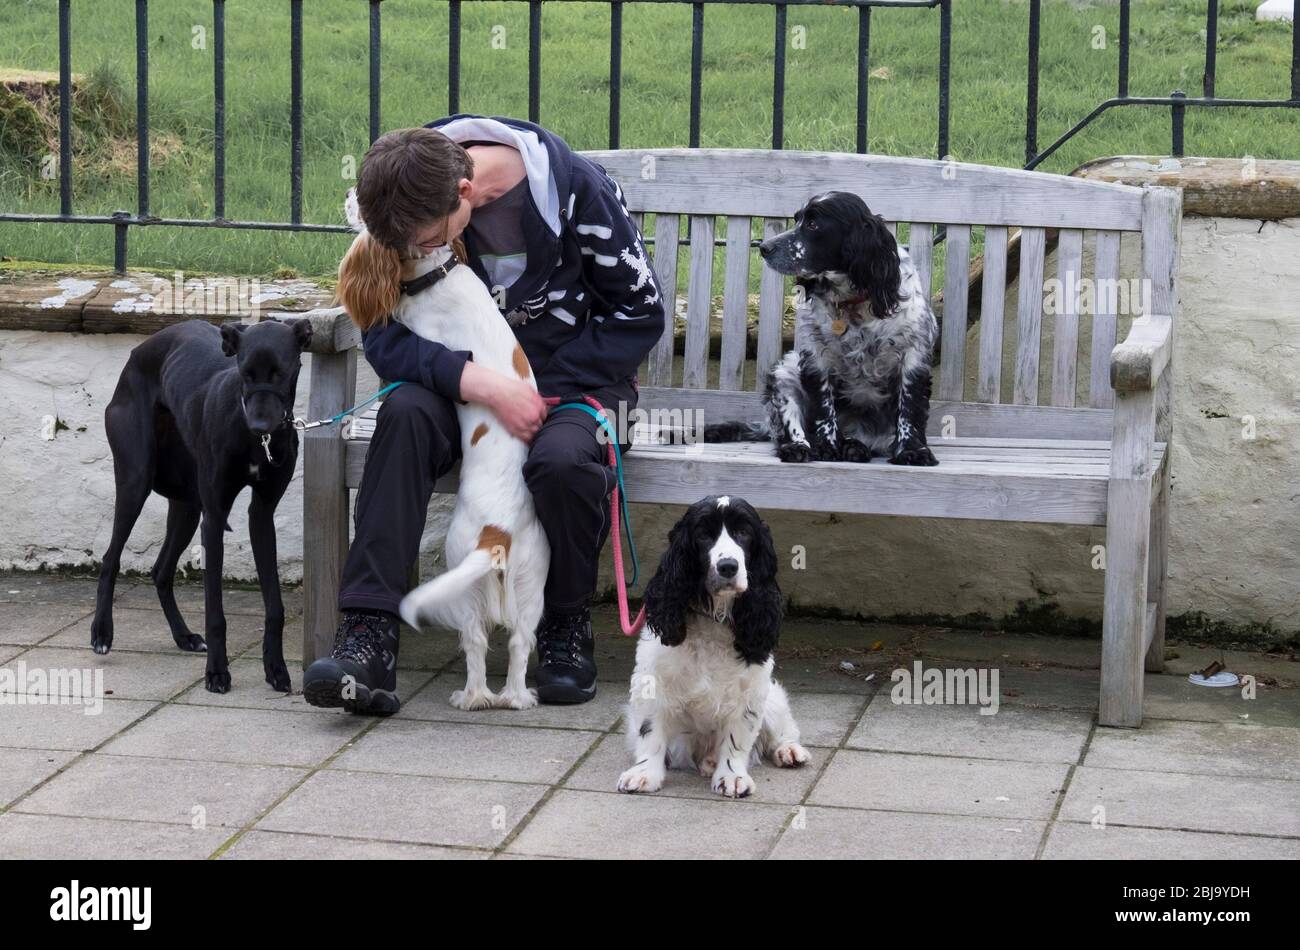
<point x="1065" y="336"/>
<point x="992" y="302"/>
<point x="1032" y="245"/>
<point x="771" y="308"/>
<point x="952" y="359"/>
<point x="921" y="248"/>
<point x="776" y="184"/>
<point x="1106" y="272"/>
<point x="735" y="305"/>
<point x="699" y="303"/>
<point x="660" y="371"/>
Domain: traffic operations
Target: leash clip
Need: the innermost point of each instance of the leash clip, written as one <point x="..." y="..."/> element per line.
<point x="302" y="425"/>
<point x="266" y="447"/>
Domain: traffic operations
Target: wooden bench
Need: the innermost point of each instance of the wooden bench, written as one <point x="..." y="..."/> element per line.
<point x="1103" y="463"/>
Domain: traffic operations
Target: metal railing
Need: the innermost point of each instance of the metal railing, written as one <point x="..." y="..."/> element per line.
<point x="122" y="221"/>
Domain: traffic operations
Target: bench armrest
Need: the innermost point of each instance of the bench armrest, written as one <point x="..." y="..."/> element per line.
<point x="332" y="330"/>
<point x="1138" y="362"/>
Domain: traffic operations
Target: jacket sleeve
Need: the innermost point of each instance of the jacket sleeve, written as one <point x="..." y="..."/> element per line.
<point x="397" y="354"/>
<point x="626" y="317"/>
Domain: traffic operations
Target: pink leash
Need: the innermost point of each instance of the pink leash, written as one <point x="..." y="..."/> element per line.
<point x="630" y="627"/>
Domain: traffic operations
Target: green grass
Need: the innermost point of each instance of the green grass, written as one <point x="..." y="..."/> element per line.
<point x="988" y="97"/>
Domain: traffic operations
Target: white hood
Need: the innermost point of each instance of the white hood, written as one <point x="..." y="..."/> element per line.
<point x="537" y="161"/>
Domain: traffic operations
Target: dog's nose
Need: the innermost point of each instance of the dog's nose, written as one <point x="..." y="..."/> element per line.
<point x="727" y="567"/>
<point x="764" y="250"/>
<point x="259" y="426"/>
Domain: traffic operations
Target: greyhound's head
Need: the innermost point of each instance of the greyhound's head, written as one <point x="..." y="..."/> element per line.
<point x="268" y="356"/>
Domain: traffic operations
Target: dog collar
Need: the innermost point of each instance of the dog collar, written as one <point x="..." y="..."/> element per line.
<point x="422" y="283"/>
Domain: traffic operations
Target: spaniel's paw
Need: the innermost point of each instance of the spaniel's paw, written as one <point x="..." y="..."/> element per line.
<point x="851" y="450"/>
<point x="471" y="699"/>
<point x="790" y="754"/>
<point x="641" y="777"/>
<point x="733" y="784"/>
<point x="794" y="452"/>
<point x="521" y="699"/>
<point x="825" y="450"/>
<point x="914" y="455"/>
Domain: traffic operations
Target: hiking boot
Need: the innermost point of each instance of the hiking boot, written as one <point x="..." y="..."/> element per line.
<point x="361" y="674"/>
<point x="566" y="668"/>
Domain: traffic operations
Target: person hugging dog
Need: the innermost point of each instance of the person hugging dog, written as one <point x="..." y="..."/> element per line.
<point x="548" y="232"/>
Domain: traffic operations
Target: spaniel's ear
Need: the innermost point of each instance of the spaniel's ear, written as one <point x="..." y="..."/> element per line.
<point x="370" y="277"/>
<point x="674" y="585"/>
<point x="871" y="255"/>
<point x="758" y="612"/>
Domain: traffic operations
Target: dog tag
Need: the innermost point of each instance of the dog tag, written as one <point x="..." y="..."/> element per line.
<point x="839" y="326"/>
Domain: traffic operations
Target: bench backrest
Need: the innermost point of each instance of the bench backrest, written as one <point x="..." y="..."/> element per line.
<point x="755" y="193"/>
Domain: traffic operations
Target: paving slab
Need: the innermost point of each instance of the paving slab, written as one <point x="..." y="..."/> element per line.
<point x="1173" y="697"/>
<point x="146" y="631"/>
<point x="251" y="736"/>
<point x="467" y="751"/>
<point x="39" y="587"/>
<point x="939" y="784"/>
<point x="23" y="769"/>
<point x="1011" y="733"/>
<point x="67" y="727"/>
<point x="418" y="650"/>
<point x="405" y="808"/>
<point x="1051" y="688"/>
<point x="37" y="837"/>
<point x="644" y="827"/>
<point x="249" y="689"/>
<point x="282" y="846"/>
<point x="190" y="600"/>
<point x="172" y="791"/>
<point x="599" y="772"/>
<point x="1262" y="806"/>
<point x="433" y="703"/>
<point x="615" y="657"/>
<point x="151" y="676"/>
<point x="850" y="834"/>
<point x="997" y="648"/>
<point x="1072" y="841"/>
<point x="7" y="653"/>
<point x="823" y="674"/>
<point x="26" y="624"/>
<point x="825" y="718"/>
<point x="1239" y="748"/>
<point x="1184" y="658"/>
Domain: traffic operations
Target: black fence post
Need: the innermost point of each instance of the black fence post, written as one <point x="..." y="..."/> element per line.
<point x="1177" y="111"/>
<point x="1031" y="103"/>
<point x="374" y="70"/>
<point x="615" y="70"/>
<point x="219" y="109"/>
<point x="142" y="106"/>
<point x="120" y="223"/>
<point x="945" y="60"/>
<point x="65" y="108"/>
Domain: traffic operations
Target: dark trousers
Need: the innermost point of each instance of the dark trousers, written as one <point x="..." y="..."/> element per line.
<point x="417" y="440"/>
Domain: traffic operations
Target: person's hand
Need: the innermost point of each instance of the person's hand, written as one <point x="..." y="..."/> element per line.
<point x="514" y="402"/>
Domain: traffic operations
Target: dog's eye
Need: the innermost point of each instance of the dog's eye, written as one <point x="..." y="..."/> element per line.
<point x="809" y="225"/>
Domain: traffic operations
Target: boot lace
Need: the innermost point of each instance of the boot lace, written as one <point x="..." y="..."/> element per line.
<point x="360" y="638"/>
<point x="561" y="639"/>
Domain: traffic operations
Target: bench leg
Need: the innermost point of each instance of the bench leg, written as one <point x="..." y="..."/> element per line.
<point x="1128" y="527"/>
<point x="1157" y="570"/>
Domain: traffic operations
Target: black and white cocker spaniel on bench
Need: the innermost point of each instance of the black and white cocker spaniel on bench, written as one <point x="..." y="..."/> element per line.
<point x="860" y="387"/>
<point x="702" y="694"/>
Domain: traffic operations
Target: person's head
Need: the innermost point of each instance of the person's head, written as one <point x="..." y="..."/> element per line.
<point x="413" y="195"/>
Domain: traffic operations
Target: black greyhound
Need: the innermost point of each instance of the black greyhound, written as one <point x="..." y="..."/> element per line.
<point x="195" y="426"/>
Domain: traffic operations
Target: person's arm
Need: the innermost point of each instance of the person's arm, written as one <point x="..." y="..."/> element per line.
<point x="626" y="318"/>
<point x="397" y="354"/>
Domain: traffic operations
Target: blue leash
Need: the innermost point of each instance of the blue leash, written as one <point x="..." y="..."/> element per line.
<point x="622" y="492"/>
<point x="303" y="424"/>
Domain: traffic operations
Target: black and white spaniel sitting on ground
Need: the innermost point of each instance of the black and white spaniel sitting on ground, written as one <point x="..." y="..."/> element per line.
<point x="860" y="387"/>
<point x="702" y="693"/>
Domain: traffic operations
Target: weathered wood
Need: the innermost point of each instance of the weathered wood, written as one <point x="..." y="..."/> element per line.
<point x="699" y="303"/>
<point x="1025" y="392"/>
<point x="952" y="358"/>
<point x="665" y="264"/>
<point x="1065" y="336"/>
<point x="1128" y="523"/>
<point x="1162" y="228"/>
<point x="49" y="302"/>
<point x="735" y="304"/>
<point x="1258" y="189"/>
<point x="989" y="384"/>
<point x="1104" y="317"/>
<point x="764" y="183"/>
<point x="1139" y="361"/>
<point x="771" y="309"/>
<point x="1158" y="566"/>
<point x="920" y="247"/>
<point x="325" y="501"/>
